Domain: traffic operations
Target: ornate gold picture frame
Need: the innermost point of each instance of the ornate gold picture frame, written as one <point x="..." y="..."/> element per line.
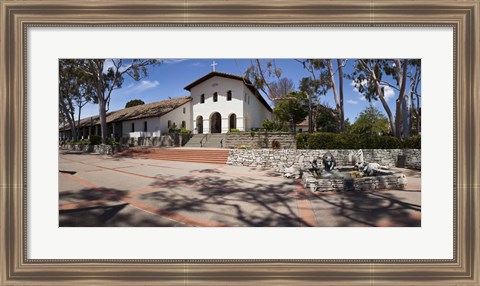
<point x="17" y="16"/>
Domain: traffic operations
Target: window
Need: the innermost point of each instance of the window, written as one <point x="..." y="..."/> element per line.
<point x="184" y="110"/>
<point x="145" y="126"/>
<point x="184" y="124"/>
<point x="202" y="98"/>
<point x="133" y="127"/>
<point x="169" y="123"/>
<point x="229" y="95"/>
<point x="245" y="98"/>
<point x="215" y="97"/>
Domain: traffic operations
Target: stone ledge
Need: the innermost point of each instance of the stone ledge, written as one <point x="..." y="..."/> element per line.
<point x="385" y="182"/>
<point x="99" y="149"/>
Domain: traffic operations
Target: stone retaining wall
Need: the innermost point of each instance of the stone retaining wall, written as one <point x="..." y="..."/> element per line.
<point x="302" y="158"/>
<point x="99" y="149"/>
<point x="259" y="140"/>
<point x="170" y="140"/>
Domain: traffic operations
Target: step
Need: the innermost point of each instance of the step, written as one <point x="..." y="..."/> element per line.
<point x="181" y="155"/>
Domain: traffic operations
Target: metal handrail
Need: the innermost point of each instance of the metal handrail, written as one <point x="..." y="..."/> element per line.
<point x="201" y="141"/>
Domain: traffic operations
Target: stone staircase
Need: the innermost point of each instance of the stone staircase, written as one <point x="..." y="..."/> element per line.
<point x="195" y="141"/>
<point x="214" y="141"/>
<point x="181" y="155"/>
<point x="206" y="141"/>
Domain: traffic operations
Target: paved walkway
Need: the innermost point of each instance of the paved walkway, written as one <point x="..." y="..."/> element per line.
<point x="98" y="190"/>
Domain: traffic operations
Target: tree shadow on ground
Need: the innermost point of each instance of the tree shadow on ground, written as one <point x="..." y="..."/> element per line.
<point x="379" y="208"/>
<point x="90" y="194"/>
<point x="227" y="201"/>
<point x="89" y="216"/>
<point x="90" y="206"/>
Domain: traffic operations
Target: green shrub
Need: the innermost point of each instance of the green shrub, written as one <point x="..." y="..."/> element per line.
<point x="95" y="140"/>
<point x="184" y="131"/>
<point x="272" y="125"/>
<point x="325" y="140"/>
<point x="276" y="144"/>
<point x="414" y="142"/>
<point x="81" y="142"/>
<point x="322" y="141"/>
<point x="234" y="130"/>
<point x="302" y="141"/>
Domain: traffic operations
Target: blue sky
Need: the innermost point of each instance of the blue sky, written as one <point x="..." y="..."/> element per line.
<point x="169" y="79"/>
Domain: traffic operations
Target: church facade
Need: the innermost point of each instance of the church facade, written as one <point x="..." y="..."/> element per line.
<point x="218" y="103"/>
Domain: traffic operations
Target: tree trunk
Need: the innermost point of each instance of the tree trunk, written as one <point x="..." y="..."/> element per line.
<point x="398" y="104"/>
<point x="340" y="83"/>
<point x="102" y="112"/>
<point x="383" y="101"/>
<point x="78" y="122"/>
<point x="70" y="120"/>
<point x="335" y="94"/>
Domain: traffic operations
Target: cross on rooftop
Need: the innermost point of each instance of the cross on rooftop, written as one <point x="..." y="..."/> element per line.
<point x="213" y="65"/>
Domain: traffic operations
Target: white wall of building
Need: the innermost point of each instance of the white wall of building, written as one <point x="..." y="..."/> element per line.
<point x="179" y="114"/>
<point x="153" y="125"/>
<point x="226" y="108"/>
<point x="255" y="111"/>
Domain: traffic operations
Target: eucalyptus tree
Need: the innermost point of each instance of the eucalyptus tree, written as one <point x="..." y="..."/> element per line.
<point x="322" y="80"/>
<point x="266" y="77"/>
<point x="414" y="75"/>
<point x="108" y="75"/>
<point x="75" y="91"/>
<point x="369" y="77"/>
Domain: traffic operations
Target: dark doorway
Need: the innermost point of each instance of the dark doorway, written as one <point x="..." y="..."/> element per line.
<point x="199" y="124"/>
<point x="216" y="123"/>
<point x="232" y="122"/>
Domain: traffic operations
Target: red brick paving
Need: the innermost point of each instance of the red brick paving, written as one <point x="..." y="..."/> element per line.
<point x="305" y="210"/>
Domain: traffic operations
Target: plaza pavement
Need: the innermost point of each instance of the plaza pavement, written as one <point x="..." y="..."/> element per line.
<point x="100" y="190"/>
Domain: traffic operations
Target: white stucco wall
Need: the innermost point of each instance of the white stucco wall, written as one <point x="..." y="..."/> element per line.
<point x="153" y="125"/>
<point x="177" y="116"/>
<point x="225" y="108"/>
<point x="255" y="111"/>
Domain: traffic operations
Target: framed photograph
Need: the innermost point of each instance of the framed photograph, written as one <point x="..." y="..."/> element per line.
<point x="231" y="93"/>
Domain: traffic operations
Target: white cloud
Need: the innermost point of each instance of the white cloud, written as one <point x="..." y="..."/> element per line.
<point x="145" y="85"/>
<point x="172" y="61"/>
<point x="135" y="88"/>
<point x="388" y="92"/>
<point x="351" y="101"/>
<point x="363" y="83"/>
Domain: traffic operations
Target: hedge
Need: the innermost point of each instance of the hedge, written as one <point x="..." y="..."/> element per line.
<point x="414" y="142"/>
<point x="325" y="140"/>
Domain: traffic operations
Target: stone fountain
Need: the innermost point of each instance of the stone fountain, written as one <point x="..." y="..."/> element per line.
<point x="360" y="176"/>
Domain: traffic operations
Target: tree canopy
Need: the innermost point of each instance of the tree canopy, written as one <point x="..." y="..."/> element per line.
<point x="108" y="75"/>
<point x="294" y="107"/>
<point x="370" y="122"/>
<point x="134" y="102"/>
<point x="75" y="91"/>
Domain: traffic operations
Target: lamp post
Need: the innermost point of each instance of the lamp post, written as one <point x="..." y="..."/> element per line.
<point x="292" y="126"/>
<point x="310" y="123"/>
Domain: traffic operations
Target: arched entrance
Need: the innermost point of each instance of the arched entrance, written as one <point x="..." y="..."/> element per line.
<point x="199" y="124"/>
<point x="215" y="123"/>
<point x="232" y="121"/>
